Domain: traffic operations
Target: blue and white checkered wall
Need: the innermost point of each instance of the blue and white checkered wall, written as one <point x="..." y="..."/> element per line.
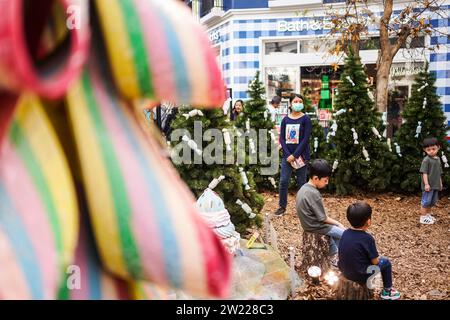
<point x="240" y="51"/>
<point x="440" y="61"/>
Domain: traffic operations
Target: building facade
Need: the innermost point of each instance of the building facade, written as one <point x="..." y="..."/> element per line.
<point x="285" y="40"/>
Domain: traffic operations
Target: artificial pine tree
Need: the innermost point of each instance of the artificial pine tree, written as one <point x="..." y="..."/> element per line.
<point x="199" y="175"/>
<point x="363" y="160"/>
<point x="424" y="117"/>
<point x="317" y="138"/>
<point x="257" y="117"/>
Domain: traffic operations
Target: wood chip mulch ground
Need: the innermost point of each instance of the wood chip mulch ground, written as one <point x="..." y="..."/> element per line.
<point x="419" y="253"/>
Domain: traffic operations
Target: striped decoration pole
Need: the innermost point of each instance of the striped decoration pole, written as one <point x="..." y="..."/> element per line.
<point x="38" y="209"/>
<point x="141" y="232"/>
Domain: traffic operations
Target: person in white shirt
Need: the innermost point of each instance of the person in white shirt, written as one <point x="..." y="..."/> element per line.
<point x="274" y="104"/>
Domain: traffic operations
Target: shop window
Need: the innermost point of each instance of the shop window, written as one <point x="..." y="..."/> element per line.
<point x="281" y="81"/>
<point x="411" y="43"/>
<point x="281" y="47"/>
<point x="321" y="83"/>
<point x="316" y="45"/>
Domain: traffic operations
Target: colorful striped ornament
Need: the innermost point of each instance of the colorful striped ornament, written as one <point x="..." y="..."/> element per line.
<point x="144" y="218"/>
<point x="38" y="223"/>
<point x="88" y="280"/>
<point x="147" y="291"/>
<point x="157" y="50"/>
<point x="17" y="69"/>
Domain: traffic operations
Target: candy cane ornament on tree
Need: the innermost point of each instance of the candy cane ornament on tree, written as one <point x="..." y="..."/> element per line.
<point x="355" y="136"/>
<point x="246" y="208"/>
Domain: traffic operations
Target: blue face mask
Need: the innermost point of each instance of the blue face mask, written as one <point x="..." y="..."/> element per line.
<point x="297" y="107"/>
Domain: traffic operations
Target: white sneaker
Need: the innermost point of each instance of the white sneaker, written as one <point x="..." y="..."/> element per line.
<point x="427" y="219"/>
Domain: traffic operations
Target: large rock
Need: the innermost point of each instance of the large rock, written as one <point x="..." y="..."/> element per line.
<point x="262" y="274"/>
<point x="259" y="274"/>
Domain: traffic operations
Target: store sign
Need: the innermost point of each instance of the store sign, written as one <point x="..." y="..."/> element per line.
<point x="214" y="36"/>
<point x="401" y="70"/>
<point x="314" y="25"/>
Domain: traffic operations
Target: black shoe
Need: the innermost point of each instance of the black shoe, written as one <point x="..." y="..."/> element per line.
<point x="280" y="211"/>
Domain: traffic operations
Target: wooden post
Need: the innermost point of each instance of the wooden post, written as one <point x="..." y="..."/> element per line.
<point x="350" y="290"/>
<point x="315" y="252"/>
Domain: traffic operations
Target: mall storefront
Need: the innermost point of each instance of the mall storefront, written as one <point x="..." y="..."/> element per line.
<point x="291" y="52"/>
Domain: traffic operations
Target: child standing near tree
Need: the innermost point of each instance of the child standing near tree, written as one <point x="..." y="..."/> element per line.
<point x="430" y="172"/>
<point x="295" y="131"/>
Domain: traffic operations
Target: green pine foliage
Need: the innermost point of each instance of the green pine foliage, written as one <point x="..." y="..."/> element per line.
<point x="198" y="176"/>
<point x="317" y="131"/>
<point x="431" y="116"/>
<point x="354" y="172"/>
<point x="256" y="112"/>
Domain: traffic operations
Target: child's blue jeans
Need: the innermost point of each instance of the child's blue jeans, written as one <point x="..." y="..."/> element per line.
<point x="429" y="198"/>
<point x="335" y="235"/>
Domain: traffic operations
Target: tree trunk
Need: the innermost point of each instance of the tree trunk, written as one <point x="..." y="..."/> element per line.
<point x="383" y="71"/>
<point x="315" y="252"/>
<point x="349" y="290"/>
<point x="355" y="48"/>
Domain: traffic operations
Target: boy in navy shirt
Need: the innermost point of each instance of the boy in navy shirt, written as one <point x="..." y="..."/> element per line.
<point x="357" y="251"/>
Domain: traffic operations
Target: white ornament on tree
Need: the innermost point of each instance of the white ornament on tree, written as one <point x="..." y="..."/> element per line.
<point x="193" y="113"/>
<point x="444" y="160"/>
<point x="385" y="123"/>
<point x="366" y="154"/>
<point x="370" y="94"/>
<point x="388" y="141"/>
<point x="422" y="87"/>
<point x="350" y="80"/>
<point x="227" y="138"/>
<point x="334" y="128"/>
<point x="424" y="104"/>
<point x="418" y="129"/>
<point x="355" y="136"/>
<point x="272" y="181"/>
<point x="397" y="149"/>
<point x="376" y="133"/>
<point x="266" y="114"/>
<point x="247" y="125"/>
<point x="316" y="144"/>
<point x="246" y="208"/>
<point x="192" y="144"/>
<point x="244" y="178"/>
<point x="335" y="165"/>
<point x="215" y="182"/>
<point x="339" y="112"/>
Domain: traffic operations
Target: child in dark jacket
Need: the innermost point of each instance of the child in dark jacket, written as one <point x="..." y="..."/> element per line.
<point x="357" y="251"/>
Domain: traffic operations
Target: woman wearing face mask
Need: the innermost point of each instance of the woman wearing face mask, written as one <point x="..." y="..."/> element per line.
<point x="295" y="131"/>
<point x="237" y="109"/>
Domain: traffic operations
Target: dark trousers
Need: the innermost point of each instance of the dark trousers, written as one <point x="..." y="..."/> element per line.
<point x="386" y="271"/>
<point x="285" y="177"/>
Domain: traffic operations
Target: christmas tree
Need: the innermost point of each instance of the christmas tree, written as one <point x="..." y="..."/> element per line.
<point x="424" y="117"/>
<point x="256" y="116"/>
<point x="210" y="154"/>
<point x="319" y="147"/>
<point x="363" y="160"/>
